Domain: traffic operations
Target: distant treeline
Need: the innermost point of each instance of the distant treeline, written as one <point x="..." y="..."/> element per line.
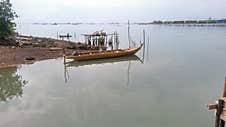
<point x="201" y="22"/>
<point x="186" y="22"/>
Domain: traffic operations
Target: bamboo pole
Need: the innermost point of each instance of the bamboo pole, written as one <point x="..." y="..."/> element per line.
<point x="64" y="59"/>
<point x="224" y="91"/>
<point x="129" y="34"/>
<point x="144" y="41"/>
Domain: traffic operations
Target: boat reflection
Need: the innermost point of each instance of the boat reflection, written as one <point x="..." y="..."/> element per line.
<point x="103" y="61"/>
<point x="100" y="61"/>
<point x="11" y="84"/>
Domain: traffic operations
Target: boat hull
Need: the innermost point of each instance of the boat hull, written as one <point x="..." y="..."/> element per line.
<point x="105" y="54"/>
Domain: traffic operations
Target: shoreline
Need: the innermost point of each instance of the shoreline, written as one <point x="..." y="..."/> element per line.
<point x="32" y="49"/>
<point x="8" y="66"/>
<point x="26" y="63"/>
<point x="13" y="57"/>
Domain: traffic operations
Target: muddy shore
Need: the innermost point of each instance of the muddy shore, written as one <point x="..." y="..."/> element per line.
<point x="13" y="56"/>
<point x="36" y="48"/>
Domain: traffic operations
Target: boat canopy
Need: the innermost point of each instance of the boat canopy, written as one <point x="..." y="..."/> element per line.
<point x="101" y="38"/>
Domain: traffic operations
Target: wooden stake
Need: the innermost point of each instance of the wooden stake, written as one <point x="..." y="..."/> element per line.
<point x="144" y="41"/>
<point x="212" y="106"/>
<point x="220" y="107"/>
<point x="129" y="34"/>
<point x="222" y="122"/>
<point x="220" y="115"/>
<point x="64" y="60"/>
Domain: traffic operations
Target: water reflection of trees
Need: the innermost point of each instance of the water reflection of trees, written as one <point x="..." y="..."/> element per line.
<point x="11" y="84"/>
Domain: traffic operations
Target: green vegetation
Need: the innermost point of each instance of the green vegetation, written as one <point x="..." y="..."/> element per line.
<point x="7" y="15"/>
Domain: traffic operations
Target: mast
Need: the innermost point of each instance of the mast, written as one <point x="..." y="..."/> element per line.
<point x="144" y="41"/>
<point x="129" y="34"/>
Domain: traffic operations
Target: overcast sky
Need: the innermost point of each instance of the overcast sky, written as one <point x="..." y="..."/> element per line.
<point x="117" y="10"/>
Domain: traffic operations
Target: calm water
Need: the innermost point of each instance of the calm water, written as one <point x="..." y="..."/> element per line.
<point x="183" y="70"/>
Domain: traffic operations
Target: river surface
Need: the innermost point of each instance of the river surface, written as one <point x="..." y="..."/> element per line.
<point x="181" y="71"/>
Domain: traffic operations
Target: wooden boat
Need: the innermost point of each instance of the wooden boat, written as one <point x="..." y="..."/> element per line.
<point x="104" y="54"/>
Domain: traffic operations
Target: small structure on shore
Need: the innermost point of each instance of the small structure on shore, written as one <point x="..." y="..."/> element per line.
<point x="102" y="40"/>
<point x="68" y="36"/>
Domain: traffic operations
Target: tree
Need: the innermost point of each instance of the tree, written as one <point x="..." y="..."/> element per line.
<point x="7" y="15"/>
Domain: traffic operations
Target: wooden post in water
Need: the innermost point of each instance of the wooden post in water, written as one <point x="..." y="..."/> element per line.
<point x="224" y="91"/>
<point x="144" y="41"/>
<point x="222" y="122"/>
<point x="219" y="107"/>
<point x="219" y="110"/>
<point x="129" y="34"/>
<point x="64" y="59"/>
